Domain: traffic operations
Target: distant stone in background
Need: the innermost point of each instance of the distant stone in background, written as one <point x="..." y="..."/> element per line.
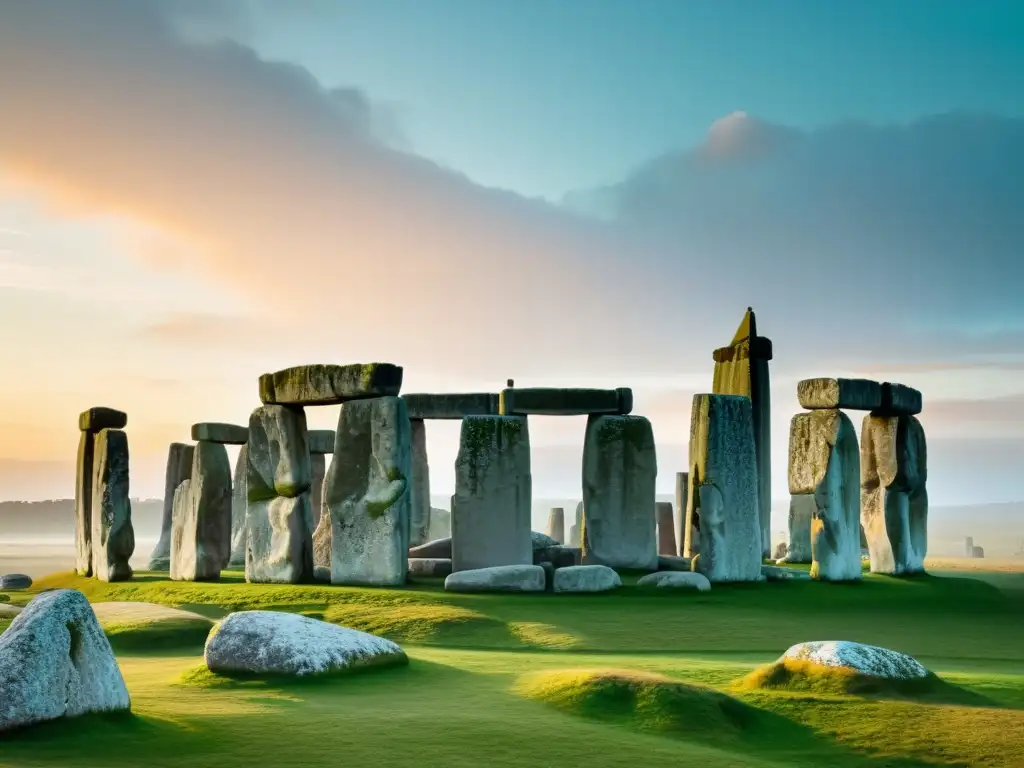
<point x="317" y="473"/>
<point x="556" y="524"/>
<point x="723" y="487"/>
<point x="321" y="441"/>
<point x="225" y="434"/>
<point x="666" y="528"/>
<point x="330" y="384"/>
<point x="179" y="469"/>
<point x="15" y="581"/>
<point x="113" y="538"/>
<point x="969" y="547"/>
<point x="239" y="502"/>
<point x="619" y="471"/>
<point x="56" y="662"/>
<point x="419" y="513"/>
<point x="440" y="524"/>
<point x="679" y="514"/>
<point x="978" y="552"/>
<point x="781" y="550"/>
<point x="574" y="536"/>
<point x="201" y="527"/>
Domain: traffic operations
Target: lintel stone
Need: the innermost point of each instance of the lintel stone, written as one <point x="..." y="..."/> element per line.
<point x="455" y="405"/>
<point x="95" y="419"/>
<point x="224" y="434"/>
<point x="899" y="400"/>
<point x="849" y="394"/>
<point x="330" y="384"/>
<point x="565" y="402"/>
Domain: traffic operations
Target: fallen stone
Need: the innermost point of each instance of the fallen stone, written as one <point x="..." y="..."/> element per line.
<point x="451" y="406"/>
<point x="865" y="659"/>
<point x="619" y="471"/>
<point x="851" y="394"/>
<point x="278" y="548"/>
<point x="723" y="502"/>
<point x="321" y="441"/>
<point x="778" y="573"/>
<point x="273" y="643"/>
<point x="899" y="400"/>
<point x="201" y="525"/>
<point x="672" y="563"/>
<point x="83" y="504"/>
<point x="15" y="581"/>
<point x="430" y="567"/>
<point x="279" y="463"/>
<point x="433" y="549"/>
<point x="492" y="504"/>
<point x="330" y="384"/>
<point x="113" y="538"/>
<point x="419" y="489"/>
<point x="558" y="555"/>
<point x="586" y="578"/>
<point x="675" y="580"/>
<point x="56" y="662"/>
<point x="96" y="419"/>
<point x="666" y="528"/>
<point x="499" y="578"/>
<point x="239" y="505"/>
<point x="565" y="402"/>
<point x="179" y="469"/>
<point x="367" y="493"/>
<point x="216" y="432"/>
<point x="556" y="524"/>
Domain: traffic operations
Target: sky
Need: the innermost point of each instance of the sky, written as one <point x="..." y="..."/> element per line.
<point x="582" y="193"/>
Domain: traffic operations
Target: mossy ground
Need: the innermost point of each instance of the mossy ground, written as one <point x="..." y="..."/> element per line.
<point x="510" y="680"/>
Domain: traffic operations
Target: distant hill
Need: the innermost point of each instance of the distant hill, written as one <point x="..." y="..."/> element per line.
<point x="55" y="519"/>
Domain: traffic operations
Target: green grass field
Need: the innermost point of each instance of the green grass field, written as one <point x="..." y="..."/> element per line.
<point x="634" y="677"/>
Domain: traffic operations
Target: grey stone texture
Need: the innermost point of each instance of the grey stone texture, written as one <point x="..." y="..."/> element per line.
<point x="556" y="524"/>
<point x="15" y="581"/>
<point x="828" y="394"/>
<point x="619" y="470"/>
<point x="666" y="528"/>
<point x="96" y="419"/>
<point x="492" y="502"/>
<point x="499" y="578"/>
<point x="451" y="406"/>
<point x="802" y="509"/>
<point x="278" y="512"/>
<point x="56" y="662"/>
<point x="978" y="552"/>
<point x="330" y="384"/>
<point x="368" y="493"/>
<point x="430" y="567"/>
<point x="722" y="502"/>
<point x="321" y="441"/>
<point x="239" y="503"/>
<point x="113" y="538"/>
<point x="440" y="524"/>
<point x="201" y="525"/>
<point x="564" y="402"/>
<point x="676" y="580"/>
<point x="679" y="512"/>
<point x="419" y="514"/>
<point x="574" y="536"/>
<point x="433" y="549"/>
<point x="586" y="578"/>
<point x="558" y="555"/>
<point x="899" y="400"/>
<point x="83" y="505"/>
<point x="742" y="369"/>
<point x="673" y="563"/>
<point x="216" y="432"/>
<point x="894" y="494"/>
<point x="317" y="472"/>
<point x="179" y="469"/>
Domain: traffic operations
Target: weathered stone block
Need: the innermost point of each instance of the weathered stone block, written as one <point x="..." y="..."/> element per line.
<point x="493" y="486"/>
<point x="899" y="400"/>
<point x="239" y="502"/>
<point x="321" y="441"/>
<point x="556" y="524"/>
<point x="679" y="513"/>
<point x="802" y="508"/>
<point x="722" y="502"/>
<point x="278" y="547"/>
<point x="433" y="549"/>
<point x="430" y="567"/>
<point x="318" y="471"/>
<point x="852" y="394"/>
<point x="279" y="454"/>
<point x="419" y="514"/>
<point x="451" y="406"/>
<point x="226" y="434"/>
<point x="95" y="419"/>
<point x="500" y="578"/>
<point x="619" y="470"/>
<point x="440" y="524"/>
<point x="83" y="505"/>
<point x="564" y="402"/>
<point x="113" y="538"/>
<point x="585" y="578"/>
<point x="201" y="528"/>
<point x="368" y="493"/>
<point x="179" y="469"/>
<point x="330" y="384"/>
<point x="666" y="528"/>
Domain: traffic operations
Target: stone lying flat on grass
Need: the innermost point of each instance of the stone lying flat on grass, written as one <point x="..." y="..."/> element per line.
<point x="865" y="659"/>
<point x="499" y="578"/>
<point x="95" y="419"/>
<point x="430" y="567"/>
<point x="778" y="573"/>
<point x="451" y="405"/>
<point x="565" y="402"/>
<point x="586" y="578"/>
<point x="849" y="394"/>
<point x="673" y="563"/>
<point x="274" y="643"/>
<point x="56" y="662"/>
<point x="433" y="549"/>
<point x="330" y="384"/>
<point x="676" y="580"/>
<point x="15" y="581"/>
<point x="226" y="434"/>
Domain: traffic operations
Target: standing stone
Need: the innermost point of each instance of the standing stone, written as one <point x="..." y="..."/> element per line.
<point x="802" y="508"/>
<point x="368" y="493"/>
<point x="201" y="527"/>
<point x="317" y="472"/>
<point x="556" y="524"/>
<point x="83" y="505"/>
<point x="894" y="495"/>
<point x="978" y="552"/>
<point x="279" y="547"/>
<point x="619" y="471"/>
<point x="113" y="538"/>
<point x="969" y="547"/>
<point x="824" y="479"/>
<point x="666" y="529"/>
<point x="722" y="504"/>
<point x="179" y="469"/>
<point x="493" y="487"/>
<point x="419" y="521"/>
<point x="440" y="524"/>
<point x="679" y="513"/>
<point x="574" y="529"/>
<point x="742" y="369"/>
<point x="239" y="502"/>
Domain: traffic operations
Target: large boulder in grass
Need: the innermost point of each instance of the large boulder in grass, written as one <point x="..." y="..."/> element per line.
<point x="586" y="578"/>
<point x="869" y="660"/>
<point x="275" y="643"/>
<point x="676" y="580"/>
<point x="498" y="578"/>
<point x="56" y="662"/>
<point x="15" y="581"/>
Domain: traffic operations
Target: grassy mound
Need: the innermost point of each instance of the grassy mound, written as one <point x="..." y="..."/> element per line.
<point x="147" y="627"/>
<point x="202" y="677"/>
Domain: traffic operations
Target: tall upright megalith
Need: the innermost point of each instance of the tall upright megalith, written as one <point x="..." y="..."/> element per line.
<point x="722" y="504"/>
<point x="113" y="538"/>
<point x="742" y="369"/>
<point x="493" y="487"/>
<point x="679" y="514"/>
<point x="620" y="467"/>
<point x="894" y="477"/>
<point x="90" y="422"/>
<point x="201" y="525"/>
<point x="179" y="469"/>
<point x="556" y="524"/>
<point x="239" y="502"/>
<point x="666" y="529"/>
<point x="368" y="493"/>
<point x="419" y="522"/>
